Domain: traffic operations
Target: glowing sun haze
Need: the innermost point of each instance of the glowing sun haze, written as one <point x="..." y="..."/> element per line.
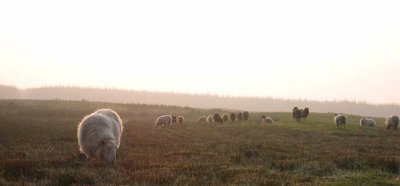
<point x="319" y="50"/>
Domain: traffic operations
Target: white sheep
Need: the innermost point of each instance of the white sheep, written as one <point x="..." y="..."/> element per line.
<point x="392" y="122"/>
<point x="367" y="122"/>
<point x="240" y="116"/>
<point x="340" y="120"/>
<point x="99" y="135"/>
<point x="202" y="119"/>
<point x="266" y="119"/>
<point x="163" y="120"/>
<point x="210" y="119"/>
<point x="269" y="120"/>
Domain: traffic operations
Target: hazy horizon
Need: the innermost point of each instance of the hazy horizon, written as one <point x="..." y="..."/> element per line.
<point x="196" y="93"/>
<point x="206" y="101"/>
<point x="322" y="51"/>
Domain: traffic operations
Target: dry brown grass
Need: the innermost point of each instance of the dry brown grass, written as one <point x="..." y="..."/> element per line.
<point x="38" y="146"/>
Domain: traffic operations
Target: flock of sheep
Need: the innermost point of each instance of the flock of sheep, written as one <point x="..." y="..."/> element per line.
<point x="300" y="114"/>
<point x="391" y="122"/>
<point x="340" y="119"/>
<point x="169" y="120"/>
<point x="241" y="116"/>
<point x="99" y="133"/>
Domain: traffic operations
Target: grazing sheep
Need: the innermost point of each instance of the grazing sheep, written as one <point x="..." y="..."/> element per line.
<point x="225" y="117"/>
<point x="304" y="113"/>
<point x="246" y="115"/>
<point x="181" y="119"/>
<point x="266" y="119"/>
<point x="293" y="113"/>
<point x="367" y="122"/>
<point x="240" y="116"/>
<point x="210" y="119"/>
<point x="163" y="120"/>
<point x="232" y="117"/>
<point x="392" y="122"/>
<point x="296" y="114"/>
<point x="99" y="135"/>
<point x="269" y="120"/>
<point x="340" y="120"/>
<point x="218" y="118"/>
<point x="202" y="119"/>
<point x="174" y="119"/>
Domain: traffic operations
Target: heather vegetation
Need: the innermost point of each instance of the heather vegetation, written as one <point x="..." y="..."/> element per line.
<point x="39" y="146"/>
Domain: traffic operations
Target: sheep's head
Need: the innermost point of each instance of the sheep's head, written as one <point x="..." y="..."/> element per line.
<point x="109" y="152"/>
<point x="157" y="123"/>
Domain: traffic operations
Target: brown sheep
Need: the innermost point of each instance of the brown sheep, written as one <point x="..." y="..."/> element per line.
<point x="340" y="120"/>
<point x="218" y="118"/>
<point x="305" y="113"/>
<point x="233" y="117"/>
<point x="246" y="115"/>
<point x="225" y="117"/>
<point x="181" y="119"/>
<point x="296" y="114"/>
<point x="174" y="119"/>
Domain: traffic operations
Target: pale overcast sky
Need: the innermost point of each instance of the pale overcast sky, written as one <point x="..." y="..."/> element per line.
<point x="318" y="50"/>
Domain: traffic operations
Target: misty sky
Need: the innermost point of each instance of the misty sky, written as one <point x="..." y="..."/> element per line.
<point x="318" y="50"/>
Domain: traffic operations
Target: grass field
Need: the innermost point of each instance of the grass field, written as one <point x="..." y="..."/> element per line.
<point x="38" y="146"/>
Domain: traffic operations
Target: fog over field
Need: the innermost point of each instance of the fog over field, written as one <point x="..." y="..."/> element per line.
<point x="315" y="50"/>
<point x="265" y="104"/>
